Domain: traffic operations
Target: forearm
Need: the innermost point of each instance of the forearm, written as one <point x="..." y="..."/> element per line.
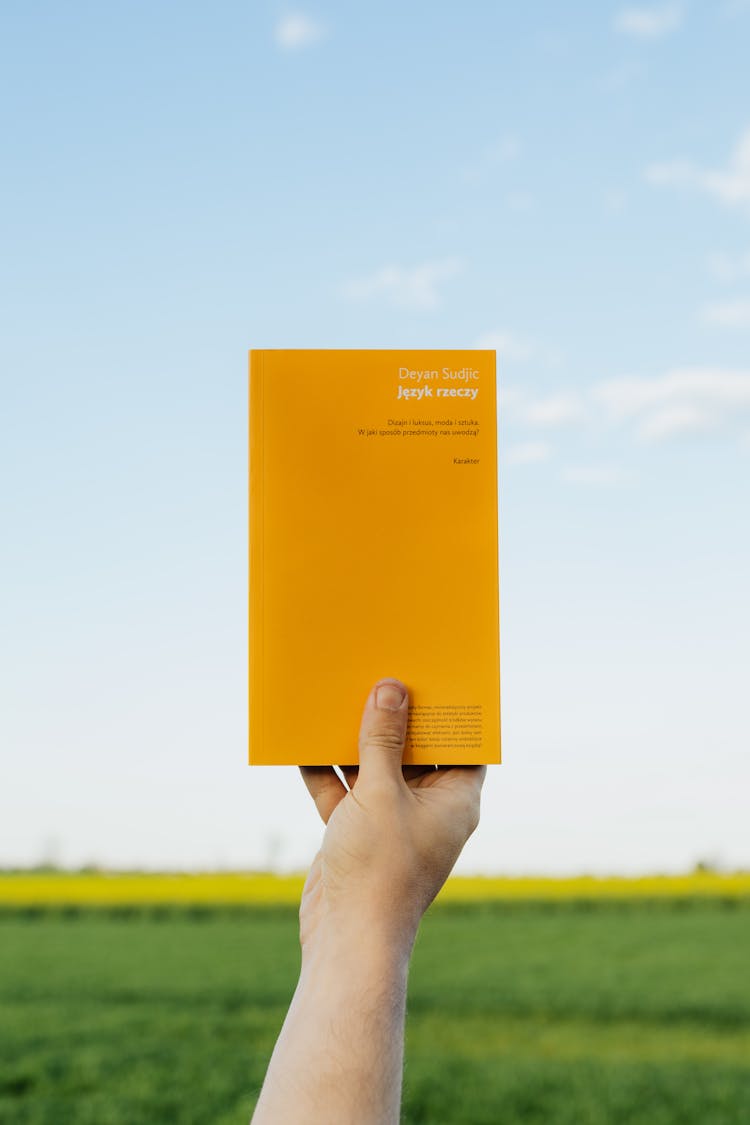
<point x="339" y="1056"/>
<point x="391" y="840"/>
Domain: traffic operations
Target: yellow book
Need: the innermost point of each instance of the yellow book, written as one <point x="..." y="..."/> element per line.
<point x="373" y="551"/>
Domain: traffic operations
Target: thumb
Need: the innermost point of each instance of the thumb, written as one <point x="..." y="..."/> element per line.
<point x="383" y="731"/>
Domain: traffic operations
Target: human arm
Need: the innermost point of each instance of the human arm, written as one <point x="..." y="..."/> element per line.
<point x="391" y="841"/>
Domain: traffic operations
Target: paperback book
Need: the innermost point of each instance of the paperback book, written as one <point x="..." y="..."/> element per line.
<point x="373" y="551"/>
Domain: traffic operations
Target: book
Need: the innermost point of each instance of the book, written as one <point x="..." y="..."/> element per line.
<point x="373" y="551"/>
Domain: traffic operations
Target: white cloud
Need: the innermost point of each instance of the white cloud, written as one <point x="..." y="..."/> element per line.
<point x="498" y="152"/>
<point x="686" y="400"/>
<point x="553" y="411"/>
<point x="522" y="408"/>
<point x="649" y="23"/>
<point x="730" y="185"/>
<point x="547" y="412"/>
<point x="622" y="76"/>
<point x="409" y="287"/>
<point x="682" y="401"/>
<point x="519" y="201"/>
<point x="680" y="418"/>
<point x="296" y="30"/>
<point x="671" y="172"/>
<point x="599" y="476"/>
<point x="615" y="201"/>
<point x="730" y="314"/>
<point x="527" y="452"/>
<point x="508" y="345"/>
<point x="728" y="267"/>
<point x="507" y="396"/>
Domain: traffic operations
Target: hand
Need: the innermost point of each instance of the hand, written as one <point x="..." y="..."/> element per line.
<point x="390" y="842"/>
<point x="391" y="839"/>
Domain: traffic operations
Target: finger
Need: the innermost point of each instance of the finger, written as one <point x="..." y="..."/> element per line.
<point x="470" y="776"/>
<point x="383" y="731"/>
<point x="459" y="779"/>
<point x="350" y="773"/>
<point x="466" y="778"/>
<point x="325" y="788"/>
<point x="465" y="785"/>
<point x="411" y="773"/>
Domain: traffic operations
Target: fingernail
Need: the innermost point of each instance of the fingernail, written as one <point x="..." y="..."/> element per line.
<point x="389" y="697"/>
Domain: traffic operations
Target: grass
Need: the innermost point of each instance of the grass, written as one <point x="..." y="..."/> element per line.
<point x="634" y="1012"/>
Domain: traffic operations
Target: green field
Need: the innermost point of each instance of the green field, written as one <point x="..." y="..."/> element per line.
<point x="557" y="1013"/>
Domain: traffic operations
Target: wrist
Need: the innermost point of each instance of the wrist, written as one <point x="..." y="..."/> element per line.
<point x="374" y="946"/>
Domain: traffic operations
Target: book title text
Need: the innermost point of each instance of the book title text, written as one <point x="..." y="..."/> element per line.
<point x="461" y="378"/>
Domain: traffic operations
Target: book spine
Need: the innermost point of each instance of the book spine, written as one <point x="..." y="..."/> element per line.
<point x="255" y="527"/>
<point x="496" y="608"/>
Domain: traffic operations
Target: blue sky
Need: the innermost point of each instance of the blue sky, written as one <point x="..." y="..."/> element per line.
<point x="568" y="184"/>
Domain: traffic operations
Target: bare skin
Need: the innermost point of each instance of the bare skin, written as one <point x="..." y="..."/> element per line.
<point x="391" y="841"/>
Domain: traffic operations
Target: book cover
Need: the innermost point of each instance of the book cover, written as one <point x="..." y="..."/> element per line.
<point x="373" y="551"/>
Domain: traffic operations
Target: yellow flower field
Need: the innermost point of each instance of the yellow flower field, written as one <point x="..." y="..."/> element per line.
<point x="235" y="888"/>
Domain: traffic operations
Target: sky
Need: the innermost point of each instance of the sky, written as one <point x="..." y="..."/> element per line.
<point x="568" y="184"/>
